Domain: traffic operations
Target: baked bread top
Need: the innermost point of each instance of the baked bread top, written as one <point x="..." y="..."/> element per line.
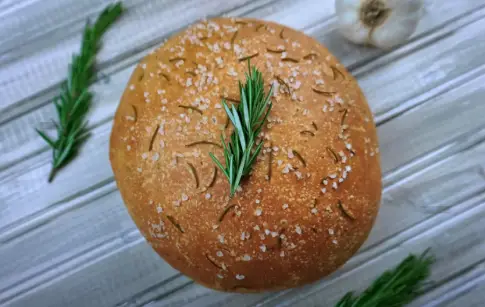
<point x="314" y="191"/>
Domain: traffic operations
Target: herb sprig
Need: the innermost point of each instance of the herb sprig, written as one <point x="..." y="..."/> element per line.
<point x="396" y="287"/>
<point x="248" y="120"/>
<point x="74" y="102"/>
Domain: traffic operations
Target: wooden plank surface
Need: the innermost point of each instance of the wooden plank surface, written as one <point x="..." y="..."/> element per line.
<point x="427" y="96"/>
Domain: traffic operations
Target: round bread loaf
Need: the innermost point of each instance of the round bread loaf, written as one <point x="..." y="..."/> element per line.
<point x="314" y="191"/>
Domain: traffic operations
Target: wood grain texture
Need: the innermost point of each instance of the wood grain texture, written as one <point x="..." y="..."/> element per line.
<point x="20" y="143"/>
<point x="88" y="251"/>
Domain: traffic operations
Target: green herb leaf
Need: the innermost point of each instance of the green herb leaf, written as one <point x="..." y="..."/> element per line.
<point x="394" y="288"/>
<point x="74" y="102"/>
<point x="248" y="120"/>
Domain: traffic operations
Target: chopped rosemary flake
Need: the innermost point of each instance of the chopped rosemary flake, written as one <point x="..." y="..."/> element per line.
<point x="248" y="57"/>
<point x="344" y="115"/>
<point x="275" y="50"/>
<point x="259" y="27"/>
<point x="150" y="146"/>
<point x="191" y="108"/>
<point x="310" y="56"/>
<point x="281" y="33"/>
<point x="333" y="154"/>
<point x="193" y="171"/>
<point x="233" y="38"/>
<point x="165" y="76"/>
<point x="203" y="143"/>
<point x="226" y="210"/>
<point x="214" y="177"/>
<point x="231" y="99"/>
<point x="297" y="154"/>
<point x="270" y="163"/>
<point x="282" y="82"/>
<point x="288" y="59"/>
<point x="345" y="210"/>
<point x="336" y="73"/>
<point x="322" y="92"/>
<point x="135" y="113"/>
<point x="141" y="76"/>
<point x="213" y="262"/>
<point x="174" y="222"/>
<point x="315" y="126"/>
<point x="190" y="72"/>
<point x="307" y="132"/>
<point x="176" y="59"/>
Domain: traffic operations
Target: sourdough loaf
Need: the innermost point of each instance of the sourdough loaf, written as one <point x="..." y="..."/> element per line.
<point x="314" y="191"/>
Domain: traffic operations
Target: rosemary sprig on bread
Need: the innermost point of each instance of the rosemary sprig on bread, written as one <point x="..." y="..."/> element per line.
<point x="248" y="119"/>
<point x="74" y="102"/>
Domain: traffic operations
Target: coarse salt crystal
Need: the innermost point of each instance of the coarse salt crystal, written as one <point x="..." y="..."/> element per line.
<point x="333" y="176"/>
<point x="334" y="185"/>
<point x="184" y="197"/>
<point x="258" y="212"/>
<point x="314" y="210"/>
<point x="156" y="156"/>
<point x="324" y="190"/>
<point x="348" y="168"/>
<point x="262" y="248"/>
<point x="282" y="253"/>
<point x="256" y="228"/>
<point x="139" y="169"/>
<point x="246" y="257"/>
<point x="290" y="154"/>
<point x="240" y="277"/>
<point x="258" y="201"/>
<point x="219" y="254"/>
<point x="132" y="87"/>
<point x="144" y="156"/>
<point x="298" y="229"/>
<point x="207" y="196"/>
<point x="285" y="206"/>
<point x="221" y="238"/>
<point x="128" y="147"/>
<point x="331" y="232"/>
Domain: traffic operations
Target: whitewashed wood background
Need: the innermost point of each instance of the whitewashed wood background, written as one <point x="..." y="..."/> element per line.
<point x="72" y="243"/>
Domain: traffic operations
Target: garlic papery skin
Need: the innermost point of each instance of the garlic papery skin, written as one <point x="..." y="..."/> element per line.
<point x="381" y="23"/>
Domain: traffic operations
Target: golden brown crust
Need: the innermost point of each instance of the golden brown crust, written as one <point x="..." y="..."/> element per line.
<point x="314" y="192"/>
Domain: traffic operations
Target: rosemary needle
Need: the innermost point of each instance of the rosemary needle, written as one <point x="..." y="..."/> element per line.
<point x="248" y="120"/>
<point x="74" y="102"/>
<point x="396" y="287"/>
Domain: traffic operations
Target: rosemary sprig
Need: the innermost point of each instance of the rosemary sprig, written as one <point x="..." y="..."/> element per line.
<point x="394" y="288"/>
<point x="74" y="102"/>
<point x="248" y="120"/>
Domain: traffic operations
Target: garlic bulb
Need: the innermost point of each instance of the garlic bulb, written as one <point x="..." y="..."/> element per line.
<point x="382" y="23"/>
